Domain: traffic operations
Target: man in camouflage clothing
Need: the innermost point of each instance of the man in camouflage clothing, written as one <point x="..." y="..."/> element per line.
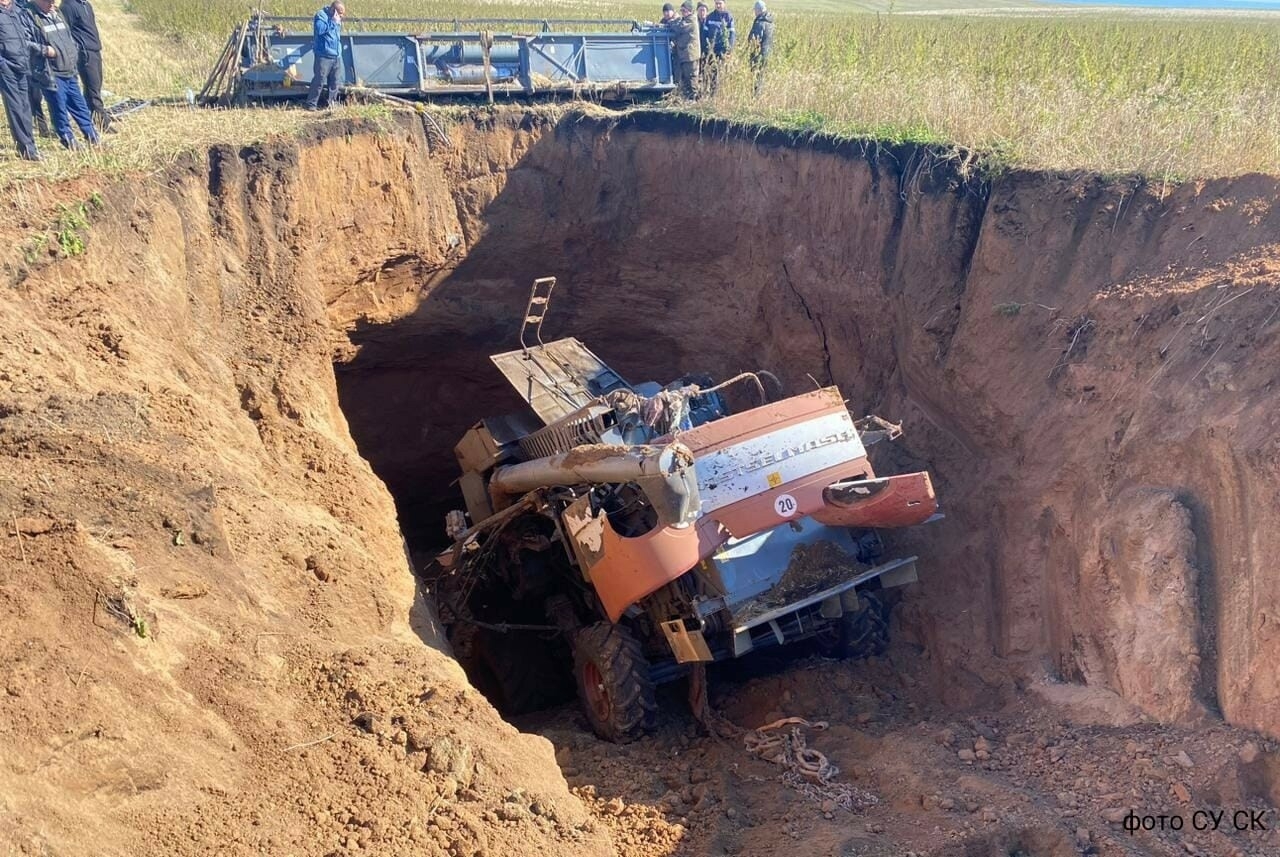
<point x="685" y="42"/>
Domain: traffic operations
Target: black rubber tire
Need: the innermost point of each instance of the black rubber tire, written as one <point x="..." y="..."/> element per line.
<point x="516" y="672"/>
<point x="864" y="634"/>
<point x="622" y="706"/>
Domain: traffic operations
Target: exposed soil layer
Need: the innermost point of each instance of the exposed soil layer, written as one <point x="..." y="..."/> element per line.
<point x="215" y="644"/>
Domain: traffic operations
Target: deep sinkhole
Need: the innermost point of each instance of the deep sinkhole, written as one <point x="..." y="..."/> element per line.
<point x="662" y="274"/>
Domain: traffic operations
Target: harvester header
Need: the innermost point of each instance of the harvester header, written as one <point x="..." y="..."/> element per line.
<point x="271" y="59"/>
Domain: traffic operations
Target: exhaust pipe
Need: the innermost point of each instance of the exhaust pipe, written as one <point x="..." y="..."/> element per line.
<point x="664" y="473"/>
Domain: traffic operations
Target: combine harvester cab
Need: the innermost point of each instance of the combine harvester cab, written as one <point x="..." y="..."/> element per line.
<point x="651" y="529"/>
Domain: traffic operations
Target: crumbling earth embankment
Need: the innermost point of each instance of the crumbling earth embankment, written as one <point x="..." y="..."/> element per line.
<point x="215" y="641"/>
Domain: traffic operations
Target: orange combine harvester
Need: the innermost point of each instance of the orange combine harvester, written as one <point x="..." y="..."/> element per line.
<point x="635" y="530"/>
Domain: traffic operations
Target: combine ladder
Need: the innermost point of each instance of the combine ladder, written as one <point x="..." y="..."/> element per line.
<point x="563" y="383"/>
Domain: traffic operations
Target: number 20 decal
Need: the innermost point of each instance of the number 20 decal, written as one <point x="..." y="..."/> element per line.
<point x="785" y="505"/>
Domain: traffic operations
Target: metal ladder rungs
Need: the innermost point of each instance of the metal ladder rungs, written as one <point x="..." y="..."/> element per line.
<point x="540" y="302"/>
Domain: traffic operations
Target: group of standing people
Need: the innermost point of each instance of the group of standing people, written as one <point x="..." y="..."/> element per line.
<point x="46" y="53"/>
<point x="702" y="43"/>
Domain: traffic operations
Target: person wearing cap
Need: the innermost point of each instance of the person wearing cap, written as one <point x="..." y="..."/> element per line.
<point x="668" y="15"/>
<point x="15" y="78"/>
<point x="326" y="28"/>
<point x="687" y="48"/>
<point x="720" y="39"/>
<point x="760" y="41"/>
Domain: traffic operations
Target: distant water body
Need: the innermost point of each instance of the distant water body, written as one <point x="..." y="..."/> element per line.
<point x="1252" y="5"/>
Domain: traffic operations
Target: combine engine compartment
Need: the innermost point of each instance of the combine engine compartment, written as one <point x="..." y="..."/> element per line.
<point x="659" y="520"/>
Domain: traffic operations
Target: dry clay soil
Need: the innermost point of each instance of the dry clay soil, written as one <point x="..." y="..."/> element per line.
<point x="213" y="641"/>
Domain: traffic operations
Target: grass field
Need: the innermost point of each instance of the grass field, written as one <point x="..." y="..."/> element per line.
<point x="1169" y="96"/>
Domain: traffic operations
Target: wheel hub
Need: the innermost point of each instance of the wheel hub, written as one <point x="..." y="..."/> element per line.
<point x="596" y="691"/>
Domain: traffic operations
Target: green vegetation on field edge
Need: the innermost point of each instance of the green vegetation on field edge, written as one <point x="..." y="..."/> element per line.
<point x="1166" y="97"/>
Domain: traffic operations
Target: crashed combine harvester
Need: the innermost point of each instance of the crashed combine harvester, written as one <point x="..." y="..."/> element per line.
<point x="270" y="59"/>
<point x="639" y="529"/>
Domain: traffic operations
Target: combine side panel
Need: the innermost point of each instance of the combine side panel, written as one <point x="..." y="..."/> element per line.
<point x="892" y="501"/>
<point x="625" y="570"/>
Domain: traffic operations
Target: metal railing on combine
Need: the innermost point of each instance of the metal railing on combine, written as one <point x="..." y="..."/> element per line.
<point x="585" y="426"/>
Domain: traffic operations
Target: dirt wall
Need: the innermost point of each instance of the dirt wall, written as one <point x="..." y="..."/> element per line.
<point x="213" y="640"/>
<point x="214" y="635"/>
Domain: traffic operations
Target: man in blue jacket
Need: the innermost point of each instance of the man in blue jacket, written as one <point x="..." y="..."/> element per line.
<point x="720" y="37"/>
<point x="720" y="26"/>
<point x="15" y="78"/>
<point x="327" y="28"/>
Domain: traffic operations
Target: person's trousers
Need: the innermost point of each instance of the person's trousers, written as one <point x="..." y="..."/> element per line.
<point x="66" y="103"/>
<point x="758" y="65"/>
<point x="15" y="89"/>
<point x="687" y="79"/>
<point x="35" y="97"/>
<point x="91" y="77"/>
<point x="324" y="75"/>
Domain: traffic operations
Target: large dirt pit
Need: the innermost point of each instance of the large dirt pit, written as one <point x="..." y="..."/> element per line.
<point x="218" y="422"/>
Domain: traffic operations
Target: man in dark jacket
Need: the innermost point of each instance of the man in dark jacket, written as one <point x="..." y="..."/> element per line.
<point x="84" y="29"/>
<point x="684" y="41"/>
<point x="704" y="45"/>
<point x="55" y="66"/>
<point x="760" y="41"/>
<point x="723" y="34"/>
<point x="15" y="77"/>
<point x="34" y="94"/>
<point x="326" y="27"/>
<point x="719" y="40"/>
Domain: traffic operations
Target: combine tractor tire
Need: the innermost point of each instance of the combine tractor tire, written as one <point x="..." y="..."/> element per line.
<point x="614" y="686"/>
<point x="863" y="634"/>
<point x="516" y="672"/>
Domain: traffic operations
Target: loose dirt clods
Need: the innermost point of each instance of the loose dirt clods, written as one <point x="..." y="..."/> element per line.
<point x="1092" y="636"/>
<point x="811" y="569"/>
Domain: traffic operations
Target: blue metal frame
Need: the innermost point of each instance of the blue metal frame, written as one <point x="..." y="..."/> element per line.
<point x="277" y="63"/>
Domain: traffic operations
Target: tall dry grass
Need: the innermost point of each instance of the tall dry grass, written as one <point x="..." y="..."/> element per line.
<point x="1166" y="98"/>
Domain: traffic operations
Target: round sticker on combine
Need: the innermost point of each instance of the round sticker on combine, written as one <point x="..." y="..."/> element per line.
<point x="785" y="505"/>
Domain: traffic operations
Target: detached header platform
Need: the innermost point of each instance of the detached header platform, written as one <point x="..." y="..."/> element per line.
<point x="272" y="58"/>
